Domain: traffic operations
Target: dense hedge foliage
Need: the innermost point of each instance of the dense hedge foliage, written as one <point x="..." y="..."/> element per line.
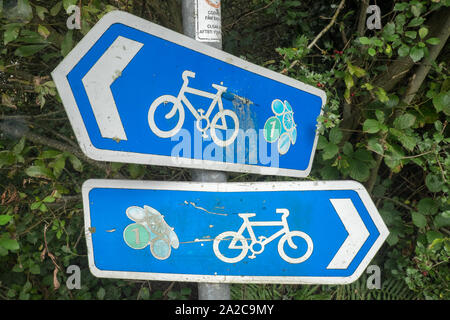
<point x="385" y="125"/>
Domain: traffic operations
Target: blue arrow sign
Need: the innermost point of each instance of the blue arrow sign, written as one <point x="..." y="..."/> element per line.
<point x="289" y="232"/>
<point x="137" y="92"/>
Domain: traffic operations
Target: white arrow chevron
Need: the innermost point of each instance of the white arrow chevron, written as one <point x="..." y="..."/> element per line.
<point x="98" y="81"/>
<point x="357" y="233"/>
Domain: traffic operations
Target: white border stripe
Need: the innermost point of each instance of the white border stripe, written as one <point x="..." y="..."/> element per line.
<point x="234" y="187"/>
<point x="70" y="61"/>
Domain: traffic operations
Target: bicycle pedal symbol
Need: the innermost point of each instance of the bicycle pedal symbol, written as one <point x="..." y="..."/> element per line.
<point x="203" y="122"/>
<point x="237" y="243"/>
<point x="281" y="127"/>
<point x="150" y="228"/>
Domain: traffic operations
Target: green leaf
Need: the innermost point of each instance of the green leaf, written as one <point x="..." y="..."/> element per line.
<point x="4" y="219"/>
<point x="26" y="51"/>
<point x="41" y="11"/>
<point x="76" y="163"/>
<point x="35" y="205"/>
<point x="423" y="32"/>
<point x="441" y="102"/>
<point x="347" y="149"/>
<point x="18" y="148"/>
<point x="11" y="34"/>
<point x="135" y="170"/>
<point x="330" y="151"/>
<point x="428" y="206"/>
<point x="364" y="40"/>
<point x="403" y="51"/>
<point x="349" y="83"/>
<point x="357" y="71"/>
<point x="101" y="293"/>
<point x="433" y="183"/>
<point x="43" y="31"/>
<point x="382" y="95"/>
<point x="442" y="220"/>
<point x="375" y="146"/>
<point x="39" y="172"/>
<point x="67" y="43"/>
<point x="372" y="52"/>
<point x="419" y="219"/>
<point x="411" y="34"/>
<point x="416" y="10"/>
<point x="8" y="243"/>
<point x="48" y="199"/>
<point x="404" y="121"/>
<point x="418" y="21"/>
<point x="56" y="8"/>
<point x="335" y="135"/>
<point x="416" y="53"/>
<point x="359" y="170"/>
<point x="401" y="6"/>
<point x="380" y="115"/>
<point x="433" y="41"/>
<point x="371" y="126"/>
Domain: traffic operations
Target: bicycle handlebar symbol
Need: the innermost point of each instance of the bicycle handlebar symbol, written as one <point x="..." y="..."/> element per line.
<point x="202" y="119"/>
<point x="241" y="249"/>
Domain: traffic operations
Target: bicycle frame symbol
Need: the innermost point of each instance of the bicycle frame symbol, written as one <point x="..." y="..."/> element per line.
<point x="234" y="237"/>
<point x="202" y="119"/>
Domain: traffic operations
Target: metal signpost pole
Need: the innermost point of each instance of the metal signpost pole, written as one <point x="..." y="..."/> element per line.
<point x="206" y="291"/>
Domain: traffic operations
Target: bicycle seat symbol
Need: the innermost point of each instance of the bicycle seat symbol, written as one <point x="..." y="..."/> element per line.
<point x="203" y="122"/>
<point x="256" y="246"/>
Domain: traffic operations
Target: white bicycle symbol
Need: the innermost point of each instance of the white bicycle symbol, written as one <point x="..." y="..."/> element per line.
<point x="243" y="248"/>
<point x="202" y="119"/>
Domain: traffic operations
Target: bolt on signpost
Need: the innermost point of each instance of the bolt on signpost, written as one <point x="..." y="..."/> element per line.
<point x="193" y="13"/>
<point x="136" y="92"/>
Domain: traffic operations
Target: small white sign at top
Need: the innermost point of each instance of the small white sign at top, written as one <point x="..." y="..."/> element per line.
<point x="208" y="26"/>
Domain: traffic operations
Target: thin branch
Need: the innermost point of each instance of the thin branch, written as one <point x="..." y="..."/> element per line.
<point x="35" y="138"/>
<point x="332" y="22"/>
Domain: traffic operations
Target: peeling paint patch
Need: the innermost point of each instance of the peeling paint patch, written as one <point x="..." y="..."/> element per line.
<point x="203" y="209"/>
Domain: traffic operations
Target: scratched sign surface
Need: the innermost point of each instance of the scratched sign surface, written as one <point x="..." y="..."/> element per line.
<point x="291" y="232"/>
<point x="137" y="92"/>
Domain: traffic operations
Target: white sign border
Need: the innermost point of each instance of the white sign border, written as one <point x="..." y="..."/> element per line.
<point x="78" y="52"/>
<point x="233" y="187"/>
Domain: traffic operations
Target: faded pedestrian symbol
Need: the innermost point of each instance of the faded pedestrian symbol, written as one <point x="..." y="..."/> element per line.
<point x="151" y="229"/>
